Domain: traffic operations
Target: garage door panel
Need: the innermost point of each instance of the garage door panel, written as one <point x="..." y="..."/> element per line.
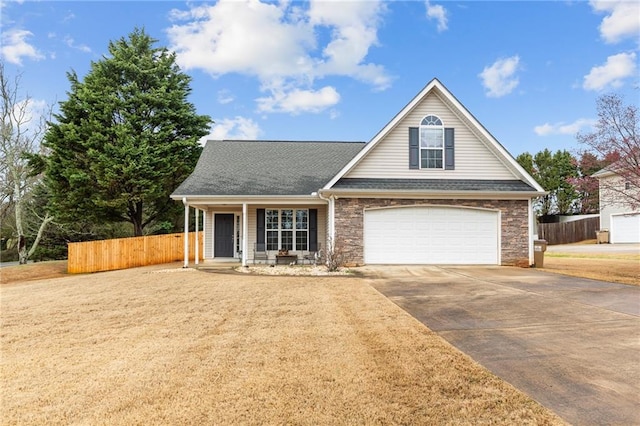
<point x="625" y="228"/>
<point x="431" y="235"/>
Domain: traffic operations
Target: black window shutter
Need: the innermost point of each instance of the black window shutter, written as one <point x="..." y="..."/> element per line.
<point x="260" y="228"/>
<point x="414" y="148"/>
<point x="449" y="157"/>
<point x="313" y="229"/>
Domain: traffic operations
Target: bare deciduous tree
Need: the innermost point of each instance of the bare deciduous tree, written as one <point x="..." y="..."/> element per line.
<point x="616" y="135"/>
<point x="20" y="135"/>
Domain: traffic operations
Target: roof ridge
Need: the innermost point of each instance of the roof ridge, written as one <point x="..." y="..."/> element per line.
<point x="281" y="141"/>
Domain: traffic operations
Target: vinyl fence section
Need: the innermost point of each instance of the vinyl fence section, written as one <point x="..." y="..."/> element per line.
<point x="122" y="253"/>
<point x="569" y="232"/>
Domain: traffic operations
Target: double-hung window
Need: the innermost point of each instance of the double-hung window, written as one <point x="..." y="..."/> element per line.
<point x="287" y="229"/>
<point x="431" y="143"/>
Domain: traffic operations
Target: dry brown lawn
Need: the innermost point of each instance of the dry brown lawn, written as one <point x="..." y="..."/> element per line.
<point x="617" y="268"/>
<point x="165" y="345"/>
<point x="33" y="271"/>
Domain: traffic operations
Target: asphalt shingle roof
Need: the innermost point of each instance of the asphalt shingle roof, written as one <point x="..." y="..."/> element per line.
<point x="433" y="184"/>
<point x="266" y="167"/>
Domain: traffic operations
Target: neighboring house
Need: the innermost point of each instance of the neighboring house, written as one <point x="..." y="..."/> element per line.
<point x="432" y="187"/>
<point x="620" y="218"/>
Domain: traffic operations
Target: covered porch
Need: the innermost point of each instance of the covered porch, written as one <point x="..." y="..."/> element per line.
<point x="268" y="231"/>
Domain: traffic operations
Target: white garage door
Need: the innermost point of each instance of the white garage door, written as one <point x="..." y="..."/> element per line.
<point x="430" y="235"/>
<point x="625" y="228"/>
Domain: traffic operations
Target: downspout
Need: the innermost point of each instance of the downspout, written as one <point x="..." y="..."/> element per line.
<point x="186" y="232"/>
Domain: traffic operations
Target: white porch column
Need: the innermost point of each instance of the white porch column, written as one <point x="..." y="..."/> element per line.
<point x="204" y="234"/>
<point x="332" y="218"/>
<point x="245" y="233"/>
<point x="197" y="237"/>
<point x="186" y="232"/>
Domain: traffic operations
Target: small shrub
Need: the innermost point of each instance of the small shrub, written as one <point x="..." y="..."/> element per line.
<point x="334" y="256"/>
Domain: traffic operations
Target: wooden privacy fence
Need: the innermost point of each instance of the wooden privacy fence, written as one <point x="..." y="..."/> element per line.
<point x="122" y="253"/>
<point x="569" y="232"/>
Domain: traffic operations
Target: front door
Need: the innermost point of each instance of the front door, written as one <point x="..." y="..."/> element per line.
<point x="223" y="235"/>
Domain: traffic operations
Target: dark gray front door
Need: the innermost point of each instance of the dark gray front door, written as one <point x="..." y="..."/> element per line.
<point x="223" y="235"/>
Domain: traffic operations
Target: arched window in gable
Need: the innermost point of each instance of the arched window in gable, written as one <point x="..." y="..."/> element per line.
<point x="431" y="143"/>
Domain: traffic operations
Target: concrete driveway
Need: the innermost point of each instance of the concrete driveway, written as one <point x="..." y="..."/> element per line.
<point x="572" y="344"/>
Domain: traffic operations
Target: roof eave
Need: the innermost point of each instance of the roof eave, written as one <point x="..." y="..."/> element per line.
<point x="250" y="199"/>
<point x="603" y="173"/>
<point x="421" y="193"/>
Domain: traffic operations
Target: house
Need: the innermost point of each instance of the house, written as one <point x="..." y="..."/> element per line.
<point x="432" y="187"/>
<point x="618" y="214"/>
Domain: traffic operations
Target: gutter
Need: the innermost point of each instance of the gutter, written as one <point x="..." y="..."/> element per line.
<point x="376" y="193"/>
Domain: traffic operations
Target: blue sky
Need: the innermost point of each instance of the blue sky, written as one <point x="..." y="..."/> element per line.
<point x="530" y="72"/>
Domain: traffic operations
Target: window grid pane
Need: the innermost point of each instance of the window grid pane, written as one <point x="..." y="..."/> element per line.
<point x="431" y="138"/>
<point x="272" y="240"/>
<point x="431" y="158"/>
<point x="271" y="219"/>
<point x="301" y="219"/>
<point x="286" y="240"/>
<point x="286" y="219"/>
<point x="431" y="120"/>
<point x="301" y="240"/>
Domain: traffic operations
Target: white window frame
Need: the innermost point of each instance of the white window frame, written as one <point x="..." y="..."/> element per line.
<point x="431" y="122"/>
<point x="294" y="229"/>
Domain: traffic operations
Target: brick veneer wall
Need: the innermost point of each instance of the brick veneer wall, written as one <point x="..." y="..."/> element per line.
<point x="349" y="224"/>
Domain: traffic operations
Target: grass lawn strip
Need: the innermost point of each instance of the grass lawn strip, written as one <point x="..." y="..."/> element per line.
<point x="619" y="269"/>
<point x="143" y="347"/>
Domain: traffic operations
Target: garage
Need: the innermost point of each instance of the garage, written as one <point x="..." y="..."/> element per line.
<point x="431" y="235"/>
<point x="625" y="228"/>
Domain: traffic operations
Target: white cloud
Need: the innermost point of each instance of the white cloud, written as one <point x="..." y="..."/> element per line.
<point x="354" y="27"/>
<point x="562" y="128"/>
<point x="233" y="128"/>
<point x="70" y="16"/>
<point x="622" y="21"/>
<point x="15" y="47"/>
<point x="245" y="37"/>
<point x="72" y="44"/>
<point x="499" y="79"/>
<point x="225" y="97"/>
<point x="612" y="73"/>
<point x="287" y="46"/>
<point x="439" y="13"/>
<point x="296" y="101"/>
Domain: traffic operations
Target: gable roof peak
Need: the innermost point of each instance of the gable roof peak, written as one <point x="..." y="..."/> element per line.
<point x="459" y="108"/>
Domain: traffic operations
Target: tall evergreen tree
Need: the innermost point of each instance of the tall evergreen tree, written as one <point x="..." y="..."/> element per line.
<point x="552" y="171"/>
<point x="125" y="138"/>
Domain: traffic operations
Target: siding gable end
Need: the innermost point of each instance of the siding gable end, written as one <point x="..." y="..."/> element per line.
<point x="468" y="158"/>
<point x="477" y="154"/>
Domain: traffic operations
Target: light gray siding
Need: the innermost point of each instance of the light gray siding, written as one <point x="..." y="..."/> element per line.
<point x="210" y="228"/>
<point x="252" y="219"/>
<point x="612" y="200"/>
<point x="390" y="157"/>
